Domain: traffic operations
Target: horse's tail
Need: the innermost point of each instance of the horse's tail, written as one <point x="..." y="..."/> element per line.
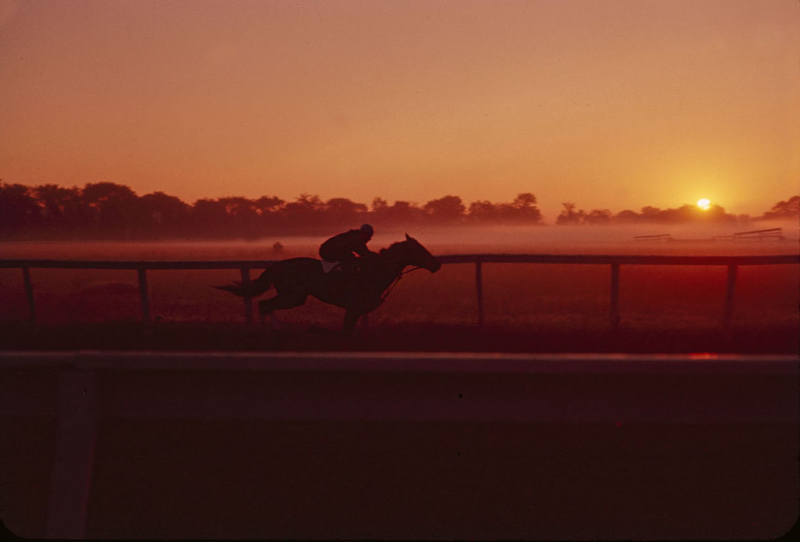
<point x="253" y="288"/>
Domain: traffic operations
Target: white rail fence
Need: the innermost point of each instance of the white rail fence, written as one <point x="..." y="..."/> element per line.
<point x="732" y="264"/>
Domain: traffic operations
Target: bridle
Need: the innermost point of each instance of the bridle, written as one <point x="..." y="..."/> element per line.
<point x="388" y="290"/>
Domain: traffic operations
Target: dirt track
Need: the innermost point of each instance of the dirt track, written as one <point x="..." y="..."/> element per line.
<point x="400" y="337"/>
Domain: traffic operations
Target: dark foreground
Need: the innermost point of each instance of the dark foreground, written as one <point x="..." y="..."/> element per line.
<point x="379" y="480"/>
<point x="398" y="338"/>
<point x="398" y="446"/>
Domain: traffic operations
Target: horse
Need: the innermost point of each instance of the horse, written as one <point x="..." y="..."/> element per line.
<point x="357" y="293"/>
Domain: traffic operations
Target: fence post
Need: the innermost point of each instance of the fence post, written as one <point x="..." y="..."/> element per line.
<point x="614" y="308"/>
<point x="145" y="295"/>
<point x="479" y="290"/>
<point x="729" y="294"/>
<point x="26" y="277"/>
<point x="71" y="477"/>
<point x="248" y="301"/>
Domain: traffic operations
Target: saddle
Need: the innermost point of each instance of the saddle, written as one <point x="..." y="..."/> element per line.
<point x="353" y="269"/>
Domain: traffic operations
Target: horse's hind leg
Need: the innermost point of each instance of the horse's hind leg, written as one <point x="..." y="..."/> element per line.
<point x="281" y="301"/>
<point x="350" y="320"/>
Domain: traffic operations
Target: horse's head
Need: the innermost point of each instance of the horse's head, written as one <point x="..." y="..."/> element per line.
<point x="417" y="255"/>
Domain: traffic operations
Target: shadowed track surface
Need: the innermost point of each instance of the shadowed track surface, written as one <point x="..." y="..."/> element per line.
<point x="430" y="445"/>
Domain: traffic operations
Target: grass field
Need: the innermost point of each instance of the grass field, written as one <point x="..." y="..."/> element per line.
<point x="518" y="298"/>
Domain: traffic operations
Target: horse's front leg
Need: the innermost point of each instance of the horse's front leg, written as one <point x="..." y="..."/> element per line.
<point x="273" y="318"/>
<point x="350" y="320"/>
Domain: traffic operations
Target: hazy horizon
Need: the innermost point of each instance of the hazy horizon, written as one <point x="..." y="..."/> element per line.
<point x="543" y="239"/>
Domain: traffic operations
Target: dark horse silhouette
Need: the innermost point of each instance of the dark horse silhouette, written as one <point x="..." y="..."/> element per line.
<point x="297" y="278"/>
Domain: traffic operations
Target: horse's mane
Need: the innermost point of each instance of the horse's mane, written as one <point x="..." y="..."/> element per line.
<point x="391" y="248"/>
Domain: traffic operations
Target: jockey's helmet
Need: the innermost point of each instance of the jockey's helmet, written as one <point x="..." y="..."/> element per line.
<point x="366" y="228"/>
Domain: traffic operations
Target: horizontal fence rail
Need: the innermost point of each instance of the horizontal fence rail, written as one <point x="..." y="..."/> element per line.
<point x="589" y="259"/>
<point x="478" y="260"/>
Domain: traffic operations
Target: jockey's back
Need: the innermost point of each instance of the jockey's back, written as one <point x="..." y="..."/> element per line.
<point x="346" y="245"/>
<point x="347" y="242"/>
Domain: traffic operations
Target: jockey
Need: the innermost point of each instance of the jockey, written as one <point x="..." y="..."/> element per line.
<point x="344" y="247"/>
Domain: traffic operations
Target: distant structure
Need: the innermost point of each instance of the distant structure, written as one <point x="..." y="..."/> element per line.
<point x="754" y="235"/>
<point x="653" y="238"/>
<point x="760" y="235"/>
<point x="277" y="247"/>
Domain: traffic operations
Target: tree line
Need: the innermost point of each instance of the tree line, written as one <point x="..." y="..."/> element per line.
<point x="787" y="209"/>
<point x="113" y="211"/>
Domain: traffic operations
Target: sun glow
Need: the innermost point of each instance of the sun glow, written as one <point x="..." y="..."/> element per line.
<point x="704" y="204"/>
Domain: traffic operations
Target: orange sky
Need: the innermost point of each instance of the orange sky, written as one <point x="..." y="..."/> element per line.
<point x="608" y="104"/>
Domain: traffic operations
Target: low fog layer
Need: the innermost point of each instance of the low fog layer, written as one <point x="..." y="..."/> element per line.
<point x="687" y="239"/>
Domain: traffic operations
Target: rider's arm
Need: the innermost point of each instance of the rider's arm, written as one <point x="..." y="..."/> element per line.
<point x="364" y="251"/>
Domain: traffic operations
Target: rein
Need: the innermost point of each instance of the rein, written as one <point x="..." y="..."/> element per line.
<point x="395" y="281"/>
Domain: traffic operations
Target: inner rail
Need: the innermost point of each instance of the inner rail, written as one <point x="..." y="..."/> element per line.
<point x="478" y="260"/>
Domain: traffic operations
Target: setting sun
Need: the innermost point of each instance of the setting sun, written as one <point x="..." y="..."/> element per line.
<point x="704" y="204"/>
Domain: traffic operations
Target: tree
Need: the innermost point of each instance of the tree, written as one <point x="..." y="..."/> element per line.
<point x="62" y="208"/>
<point x="404" y="212"/>
<point x="113" y="208"/>
<point x="626" y="216"/>
<point x="210" y="218"/>
<point x="55" y="200"/>
<point x="242" y="214"/>
<point x="785" y="209"/>
<point x="19" y="209"/>
<point x="598" y="216"/>
<point x="98" y="194"/>
<point x="483" y="211"/>
<point x="305" y="213"/>
<point x="379" y="212"/>
<point x="649" y="213"/>
<point x="166" y="215"/>
<point x="446" y="209"/>
<point x="569" y="215"/>
<point x="270" y="212"/>
<point x="716" y="214"/>
<point x="379" y="205"/>
<point x="343" y="211"/>
<point x="268" y="204"/>
<point x="524" y="206"/>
